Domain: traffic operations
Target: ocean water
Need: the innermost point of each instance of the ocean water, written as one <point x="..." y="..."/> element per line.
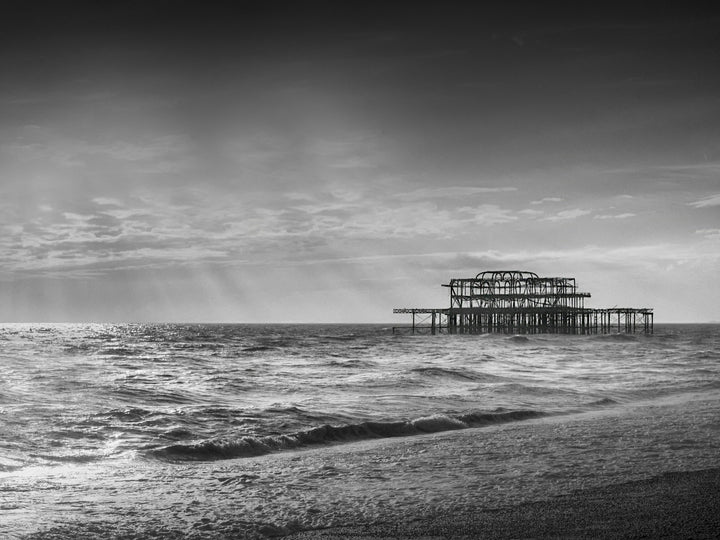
<point x="204" y="431"/>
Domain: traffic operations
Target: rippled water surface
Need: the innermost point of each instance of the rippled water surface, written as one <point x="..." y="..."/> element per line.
<point x="90" y="412"/>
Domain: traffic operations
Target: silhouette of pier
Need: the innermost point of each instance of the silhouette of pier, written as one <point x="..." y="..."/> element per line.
<point x="520" y="302"/>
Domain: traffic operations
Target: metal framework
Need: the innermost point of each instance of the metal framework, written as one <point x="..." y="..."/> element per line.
<point x="515" y="301"/>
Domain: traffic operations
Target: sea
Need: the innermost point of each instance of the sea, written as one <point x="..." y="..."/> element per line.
<point x="255" y="431"/>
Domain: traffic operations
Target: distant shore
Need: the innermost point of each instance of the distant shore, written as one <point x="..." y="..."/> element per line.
<point x="673" y="505"/>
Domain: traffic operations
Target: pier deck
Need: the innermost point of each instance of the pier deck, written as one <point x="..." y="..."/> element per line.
<point x="521" y="302"/>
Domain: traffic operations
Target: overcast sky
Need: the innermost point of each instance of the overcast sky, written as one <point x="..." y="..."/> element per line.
<point x="309" y="161"/>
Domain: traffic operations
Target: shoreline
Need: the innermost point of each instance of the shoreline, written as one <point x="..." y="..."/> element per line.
<point x="672" y="505"/>
<point x="554" y="477"/>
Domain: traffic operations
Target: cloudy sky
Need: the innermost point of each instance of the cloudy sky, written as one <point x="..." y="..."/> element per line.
<point x="329" y="161"/>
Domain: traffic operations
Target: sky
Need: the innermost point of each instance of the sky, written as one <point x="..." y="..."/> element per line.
<point x="319" y="161"/>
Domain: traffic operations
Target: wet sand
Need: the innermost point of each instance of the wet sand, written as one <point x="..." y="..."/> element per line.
<point x="674" y="505"/>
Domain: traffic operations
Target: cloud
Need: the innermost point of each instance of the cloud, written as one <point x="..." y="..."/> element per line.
<point x="167" y="227"/>
<point x="710" y="234"/>
<point x="640" y="255"/>
<point x="489" y="214"/>
<point x="342" y="217"/>
<point x="107" y="201"/>
<point x="77" y="218"/>
<point x="711" y="200"/>
<point x="547" y="200"/>
<point x="614" y="216"/>
<point x="103" y="238"/>
<point x="451" y="192"/>
<point x="686" y="170"/>
<point x="566" y="215"/>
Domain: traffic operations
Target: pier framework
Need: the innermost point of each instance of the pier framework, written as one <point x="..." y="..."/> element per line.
<point x="513" y="301"/>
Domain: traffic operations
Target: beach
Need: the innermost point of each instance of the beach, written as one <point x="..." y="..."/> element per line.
<point x="178" y="432"/>
<point x="673" y="505"/>
<point x="505" y="481"/>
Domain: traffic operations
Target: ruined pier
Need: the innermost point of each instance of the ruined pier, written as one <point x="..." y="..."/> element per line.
<point x="520" y="302"/>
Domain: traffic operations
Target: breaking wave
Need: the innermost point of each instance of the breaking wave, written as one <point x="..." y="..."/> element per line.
<point x="217" y="449"/>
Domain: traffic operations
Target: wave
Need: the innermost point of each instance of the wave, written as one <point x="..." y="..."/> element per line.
<point x="120" y="351"/>
<point x="154" y="396"/>
<point x="351" y="363"/>
<point x="257" y="348"/>
<point x="532" y="390"/>
<point x="338" y="337"/>
<point x="616" y="337"/>
<point x="76" y="458"/>
<point x="129" y="414"/>
<point x="79" y="349"/>
<point x="451" y="373"/>
<point x="218" y="449"/>
<point x="603" y="402"/>
<point x="177" y="433"/>
<point x="9" y="464"/>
